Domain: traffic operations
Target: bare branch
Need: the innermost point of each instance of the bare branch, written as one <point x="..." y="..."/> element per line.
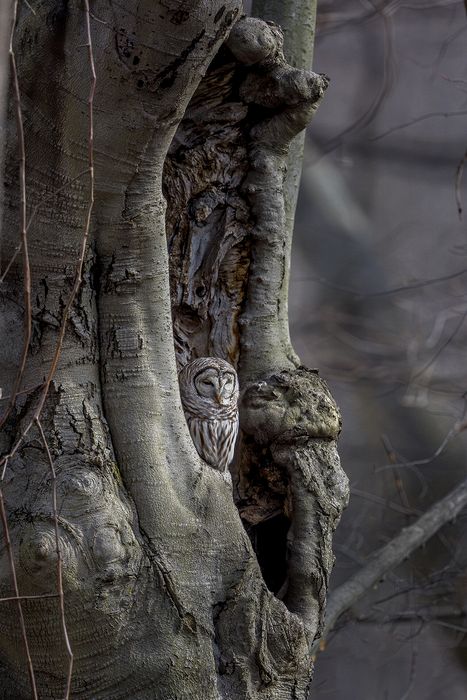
<point x="417" y="120"/>
<point x="384" y="292"/>
<point x="392" y="554"/>
<point x="6" y="11"/>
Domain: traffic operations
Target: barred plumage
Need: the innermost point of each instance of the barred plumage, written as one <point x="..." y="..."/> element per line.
<point x="209" y="392"/>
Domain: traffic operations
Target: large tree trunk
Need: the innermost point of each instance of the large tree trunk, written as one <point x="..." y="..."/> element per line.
<point x="164" y="586"/>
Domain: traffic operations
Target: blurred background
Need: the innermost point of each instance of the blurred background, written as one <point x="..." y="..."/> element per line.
<point x="378" y="302"/>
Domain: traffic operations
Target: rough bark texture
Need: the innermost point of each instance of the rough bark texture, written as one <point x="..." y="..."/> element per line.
<point x="164" y="594"/>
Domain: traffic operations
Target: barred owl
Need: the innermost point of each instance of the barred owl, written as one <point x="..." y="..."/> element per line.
<point x="209" y="392"/>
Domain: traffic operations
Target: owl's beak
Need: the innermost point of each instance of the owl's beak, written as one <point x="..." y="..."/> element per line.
<point x="218" y="399"/>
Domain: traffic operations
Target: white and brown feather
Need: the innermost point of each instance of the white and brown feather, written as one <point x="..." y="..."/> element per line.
<point x="209" y="392"/>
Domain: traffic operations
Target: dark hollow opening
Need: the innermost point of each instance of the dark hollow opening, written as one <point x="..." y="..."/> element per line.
<point x="269" y="540"/>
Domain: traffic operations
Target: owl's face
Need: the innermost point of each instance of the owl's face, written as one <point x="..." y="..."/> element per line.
<point x="216" y="384"/>
<point x="209" y="389"/>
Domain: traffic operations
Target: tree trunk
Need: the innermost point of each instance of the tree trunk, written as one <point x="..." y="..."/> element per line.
<point x="167" y="593"/>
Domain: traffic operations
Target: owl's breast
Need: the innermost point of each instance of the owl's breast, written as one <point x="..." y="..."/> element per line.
<point x="214" y="439"/>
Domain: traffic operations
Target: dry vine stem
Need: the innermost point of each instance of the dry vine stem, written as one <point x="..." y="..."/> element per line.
<point x="80" y="261"/>
<point x="25" y="226"/>
<point x="59" y="558"/>
<point x="17" y="597"/>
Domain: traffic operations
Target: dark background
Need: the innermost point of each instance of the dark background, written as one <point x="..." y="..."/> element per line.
<point x="377" y="230"/>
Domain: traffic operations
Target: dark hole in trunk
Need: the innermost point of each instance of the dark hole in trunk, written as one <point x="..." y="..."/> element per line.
<point x="269" y="539"/>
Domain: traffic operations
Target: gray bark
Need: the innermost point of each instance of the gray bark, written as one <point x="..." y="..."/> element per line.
<point x="5" y="25"/>
<point x="297" y="19"/>
<point x="164" y="595"/>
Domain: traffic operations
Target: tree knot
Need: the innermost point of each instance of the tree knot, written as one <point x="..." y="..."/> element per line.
<point x="288" y="406"/>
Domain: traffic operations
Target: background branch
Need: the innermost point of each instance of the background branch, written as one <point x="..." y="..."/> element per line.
<point x="392" y="554"/>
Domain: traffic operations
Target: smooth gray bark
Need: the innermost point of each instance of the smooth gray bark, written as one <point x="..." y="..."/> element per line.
<point x="164" y="595"/>
<point x="297" y="19"/>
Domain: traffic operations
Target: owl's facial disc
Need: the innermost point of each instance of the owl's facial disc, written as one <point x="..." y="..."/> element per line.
<point x="207" y="384"/>
<point x="217" y="385"/>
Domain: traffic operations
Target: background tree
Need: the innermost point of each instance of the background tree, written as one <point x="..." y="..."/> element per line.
<point x="378" y="265"/>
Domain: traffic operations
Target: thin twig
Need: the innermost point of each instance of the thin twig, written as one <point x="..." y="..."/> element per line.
<point x="384" y="502"/>
<point x="59" y="558"/>
<point x="450" y="626"/>
<point x="27" y="331"/>
<point x="384" y="292"/>
<point x="398" y="483"/>
<point x="427" y="615"/>
<point x="11" y="598"/>
<point x="28" y="390"/>
<point x="53" y="367"/>
<point x="441" y="348"/>
<point x="417" y="120"/>
<point x="413" y="665"/>
<point x="30" y="7"/>
<point x="42" y="201"/>
<point x="12" y="260"/>
<point x="384" y="86"/>
<point x="23" y="223"/>
<point x="458" y="428"/>
<point x="80" y="262"/>
<point x="6" y="535"/>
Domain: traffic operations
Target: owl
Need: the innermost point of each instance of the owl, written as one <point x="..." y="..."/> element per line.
<point x="209" y="393"/>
